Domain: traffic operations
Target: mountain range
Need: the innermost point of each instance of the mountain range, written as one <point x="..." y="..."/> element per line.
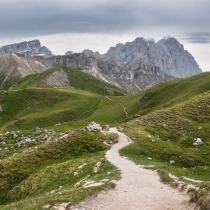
<point x="134" y="66"/>
<point x="168" y="54"/>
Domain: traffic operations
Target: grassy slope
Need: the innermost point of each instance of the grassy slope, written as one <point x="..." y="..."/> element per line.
<point x="32" y="103"/>
<point x="78" y="80"/>
<point x="166" y="94"/>
<point x="28" y="108"/>
<point x="168" y="134"/>
<point x="37" y="173"/>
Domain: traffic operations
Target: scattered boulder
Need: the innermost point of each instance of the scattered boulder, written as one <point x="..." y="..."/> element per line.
<point x="37" y="131"/>
<point x="97" y="166"/>
<point x="26" y="141"/>
<point x="94" y="127"/>
<point x="197" y="142"/>
<point x="57" y="124"/>
<point x="7" y="134"/>
<point x="172" y="161"/>
<point x="15" y="135"/>
<point x="120" y="129"/>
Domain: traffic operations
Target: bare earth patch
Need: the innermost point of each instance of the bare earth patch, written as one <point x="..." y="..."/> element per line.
<point x="138" y="189"/>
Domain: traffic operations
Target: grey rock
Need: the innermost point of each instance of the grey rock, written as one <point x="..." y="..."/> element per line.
<point x="7" y="133"/>
<point x="69" y="53"/>
<point x="120" y="129"/>
<point x="1" y="109"/>
<point x="15" y="136"/>
<point x="45" y="137"/>
<point x="58" y="78"/>
<point x="167" y="54"/>
<point x="91" y="53"/>
<point x="197" y="142"/>
<point x="26" y="141"/>
<point x="172" y="161"/>
<point x="38" y="131"/>
<point x="58" y="124"/>
<point x="94" y="127"/>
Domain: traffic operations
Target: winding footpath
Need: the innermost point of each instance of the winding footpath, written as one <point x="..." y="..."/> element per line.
<point x="138" y="189"/>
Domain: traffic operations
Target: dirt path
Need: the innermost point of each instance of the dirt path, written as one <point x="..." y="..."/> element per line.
<point x="124" y="109"/>
<point x="139" y="189"/>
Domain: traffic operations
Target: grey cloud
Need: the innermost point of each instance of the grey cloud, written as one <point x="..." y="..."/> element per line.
<point x="198" y="37"/>
<point x="33" y="18"/>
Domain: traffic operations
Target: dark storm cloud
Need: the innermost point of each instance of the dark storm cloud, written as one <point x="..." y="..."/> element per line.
<point x="33" y="18"/>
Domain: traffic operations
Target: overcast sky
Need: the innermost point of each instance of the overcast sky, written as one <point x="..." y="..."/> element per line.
<point x="98" y="24"/>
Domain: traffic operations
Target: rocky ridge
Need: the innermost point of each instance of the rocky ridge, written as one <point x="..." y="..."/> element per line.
<point x="167" y="54"/>
<point x="31" y="48"/>
<point x="133" y="78"/>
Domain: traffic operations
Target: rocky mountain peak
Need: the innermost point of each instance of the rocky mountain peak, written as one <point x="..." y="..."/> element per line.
<point x="69" y="53"/>
<point x="168" y="54"/>
<point x="91" y="53"/>
<point x="32" y="48"/>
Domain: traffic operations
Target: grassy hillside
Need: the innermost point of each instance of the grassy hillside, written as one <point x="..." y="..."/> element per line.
<point x="32" y="107"/>
<point x="26" y="108"/>
<point x="56" y="171"/>
<point x="35" y="103"/>
<point x="167" y="94"/>
<point x="77" y="80"/>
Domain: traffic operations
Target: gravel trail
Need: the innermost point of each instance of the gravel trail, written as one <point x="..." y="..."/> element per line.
<point x="138" y="189"/>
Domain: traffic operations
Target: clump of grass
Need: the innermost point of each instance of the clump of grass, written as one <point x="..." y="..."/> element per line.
<point x="201" y="196"/>
<point x="164" y="177"/>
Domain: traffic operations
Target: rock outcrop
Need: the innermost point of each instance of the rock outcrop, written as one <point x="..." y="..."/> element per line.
<point x="133" y="78"/>
<point x="69" y="53"/>
<point x="198" y="142"/>
<point x="58" y="78"/>
<point x="94" y="127"/>
<point x="91" y="53"/>
<point x="32" y="48"/>
<point x="167" y="54"/>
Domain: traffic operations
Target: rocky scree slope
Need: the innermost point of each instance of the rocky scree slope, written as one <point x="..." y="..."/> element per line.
<point x="14" y="66"/>
<point x="32" y="48"/>
<point x="168" y="54"/>
<point x="133" y="78"/>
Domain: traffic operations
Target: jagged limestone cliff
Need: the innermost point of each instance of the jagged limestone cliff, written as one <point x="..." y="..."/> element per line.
<point x="168" y="54"/>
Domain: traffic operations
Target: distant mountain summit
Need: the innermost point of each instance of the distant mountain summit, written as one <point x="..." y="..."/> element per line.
<point x="168" y="54"/>
<point x="31" y="48"/>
